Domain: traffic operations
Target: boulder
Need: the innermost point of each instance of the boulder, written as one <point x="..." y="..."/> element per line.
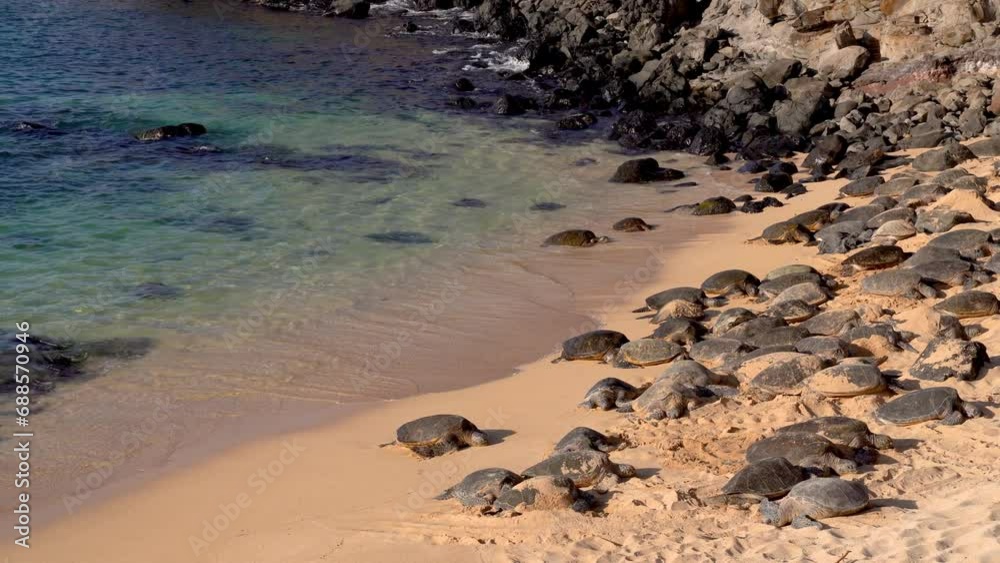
<point x="846" y="63"/>
<point x="944" y="158"/>
<point x="353" y="9"/>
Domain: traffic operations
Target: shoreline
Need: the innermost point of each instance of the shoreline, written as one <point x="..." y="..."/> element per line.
<point x="332" y="493"/>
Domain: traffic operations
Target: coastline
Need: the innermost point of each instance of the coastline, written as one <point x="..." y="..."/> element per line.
<point x="333" y="494"/>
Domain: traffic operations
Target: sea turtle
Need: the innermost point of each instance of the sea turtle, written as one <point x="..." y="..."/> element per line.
<point x="439" y="434"/>
<point x="607" y="393"/>
<point x="805" y="450"/>
<point x="841" y="430"/>
<point x="896" y="186"/>
<point x="792" y="310"/>
<point x="842" y="236"/>
<point x="970" y="243"/>
<point x="678" y="309"/>
<point x="847" y="379"/>
<point x="951" y="273"/>
<point x="731" y="318"/>
<point x="718" y="205"/>
<point x="933" y="403"/>
<point x="769" y="478"/>
<point x="898" y="283"/>
<point x="815" y="219"/>
<point x="780" y="373"/>
<point x="778" y="336"/>
<point x="542" y="493"/>
<point x="808" y="292"/>
<point x="893" y="231"/>
<point x="944" y="358"/>
<point x="650" y="352"/>
<point x="632" y="225"/>
<point x="922" y="194"/>
<point x="832" y="322"/>
<point x="816" y="499"/>
<point x="941" y="220"/>
<point x="876" y="340"/>
<point x="583" y="438"/>
<point x="773" y="287"/>
<point x="753" y="328"/>
<point x="830" y="349"/>
<point x="928" y="253"/>
<point x="904" y="214"/>
<point x="875" y="258"/>
<point x="731" y="282"/>
<point x="863" y="187"/>
<point x="481" y="488"/>
<point x="718" y="352"/>
<point x="689" y="294"/>
<point x="693" y="374"/>
<point x="970" y="304"/>
<point x="600" y="345"/>
<point x="679" y="331"/>
<point x="786" y="232"/>
<point x="574" y="237"/>
<point x="671" y="393"/>
<point x="585" y="468"/>
<point x="790" y="269"/>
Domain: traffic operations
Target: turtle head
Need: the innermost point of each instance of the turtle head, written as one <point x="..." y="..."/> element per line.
<point x="866" y="456"/>
<point x="770" y="512"/>
<point x="603" y="239"/>
<point x="625" y="470"/>
<point x="881" y="441"/>
<point x="478" y="439"/>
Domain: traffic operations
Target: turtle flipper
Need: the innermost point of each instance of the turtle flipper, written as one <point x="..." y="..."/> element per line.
<point x="625" y="407"/>
<point x="806" y="522"/>
<point x="445" y="494"/>
<point x="954" y="418"/>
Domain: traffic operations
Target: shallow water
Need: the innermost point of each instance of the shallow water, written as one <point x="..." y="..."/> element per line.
<point x="315" y="251"/>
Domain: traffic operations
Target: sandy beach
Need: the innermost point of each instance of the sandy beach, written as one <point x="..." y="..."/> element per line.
<point x="334" y="494"/>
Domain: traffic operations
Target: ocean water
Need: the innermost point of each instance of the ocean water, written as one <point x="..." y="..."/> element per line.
<point x="340" y="237"/>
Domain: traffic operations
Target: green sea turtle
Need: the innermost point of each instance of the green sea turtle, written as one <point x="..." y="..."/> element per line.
<point x="928" y="253"/>
<point x="842" y="431"/>
<point x="583" y="438"/>
<point x="769" y="478"/>
<point x="607" y="393"/>
<point x="893" y="232"/>
<point x="805" y="450"/>
<point x="574" y="237"/>
<point x="760" y="326"/>
<point x="808" y="292"/>
<point x="941" y="220"/>
<point x="731" y="318"/>
<point x="481" y="488"/>
<point x="632" y="225"/>
<point x="951" y="273"/>
<point x="682" y="385"/>
<point x="877" y="340"/>
<point x="718" y="352"/>
<point x="775" y="286"/>
<point x="789" y="269"/>
<point x="650" y="352"/>
<point x="542" y="493"/>
<point x="779" y="373"/>
<point x="678" y="309"/>
<point x="793" y="310"/>
<point x="585" y="468"/>
<point x="439" y="434"/>
<point x="816" y="499"/>
<point x="830" y="349"/>
<point x="731" y="282"/>
<point x="832" y="322"/>
<point x="898" y="283"/>
<point x="690" y="294"/>
<point x="970" y="304"/>
<point x="815" y="219"/>
<point x="945" y="358"/>
<point x="679" y="331"/>
<point x="714" y="206"/>
<point x="786" y="232"/>
<point x="778" y="336"/>
<point x="600" y="345"/>
<point x="875" y="258"/>
<point x="847" y="379"/>
<point x="970" y="243"/>
<point x="933" y="403"/>
<point x="904" y="214"/>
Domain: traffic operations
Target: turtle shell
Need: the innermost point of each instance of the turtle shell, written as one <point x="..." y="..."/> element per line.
<point x="829" y="496"/>
<point x="482" y="487"/>
<point x="790" y="269"/>
<point x="572" y="237"/>
<point x="431" y="429"/>
<point x="914" y="407"/>
<point x="584" y="467"/>
<point x="650" y="351"/>
<point x="877" y="257"/>
<point x="583" y="438"/>
<point x="771" y="478"/>
<point x="729" y="281"/>
<point x="841" y="430"/>
<point x="894" y="283"/>
<point x="786" y="372"/>
<point x="594" y="345"/>
<point x="691" y="294"/>
<point x="796" y="447"/>
<point x="970" y="304"/>
<point x="847" y="380"/>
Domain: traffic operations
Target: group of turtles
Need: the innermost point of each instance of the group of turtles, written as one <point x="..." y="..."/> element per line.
<point x="790" y="339"/>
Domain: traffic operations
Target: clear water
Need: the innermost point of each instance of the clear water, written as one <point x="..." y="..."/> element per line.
<point x="329" y="131"/>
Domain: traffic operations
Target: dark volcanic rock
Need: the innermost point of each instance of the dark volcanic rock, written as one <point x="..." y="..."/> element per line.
<point x="642" y="170"/>
<point x="171" y="131"/>
<point x="943" y="158"/>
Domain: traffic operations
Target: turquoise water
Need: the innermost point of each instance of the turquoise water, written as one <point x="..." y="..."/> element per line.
<point x="321" y="133"/>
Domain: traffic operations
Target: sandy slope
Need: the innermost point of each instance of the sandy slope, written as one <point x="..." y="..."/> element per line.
<point x="333" y="494"/>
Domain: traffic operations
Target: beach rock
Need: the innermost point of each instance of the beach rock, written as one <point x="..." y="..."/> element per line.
<point x="642" y="170"/>
<point x="576" y="122"/>
<point x="950" y="357"/>
<point x="714" y="206"/>
<point x="773" y="182"/>
<point x="353" y="9"/>
<point x="509" y="104"/>
<point x="840" y="64"/>
<point x="827" y="151"/>
<point x="464" y="85"/>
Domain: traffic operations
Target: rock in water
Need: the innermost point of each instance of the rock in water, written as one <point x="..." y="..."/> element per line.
<point x="171" y="131"/>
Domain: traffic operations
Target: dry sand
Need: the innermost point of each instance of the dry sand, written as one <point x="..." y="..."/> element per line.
<point x="332" y="494"/>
